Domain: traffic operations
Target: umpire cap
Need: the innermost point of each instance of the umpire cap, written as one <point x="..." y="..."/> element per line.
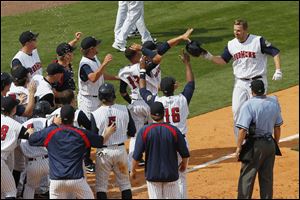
<point x="6" y="79"/>
<point x="106" y="92"/>
<point x="42" y="108"/>
<point x="27" y="36"/>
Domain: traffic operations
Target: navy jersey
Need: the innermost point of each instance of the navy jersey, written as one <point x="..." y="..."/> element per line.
<point x="160" y="142"/>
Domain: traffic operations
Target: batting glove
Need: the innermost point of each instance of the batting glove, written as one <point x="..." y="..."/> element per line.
<point x="277" y="75"/>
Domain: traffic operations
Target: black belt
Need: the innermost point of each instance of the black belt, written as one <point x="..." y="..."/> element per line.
<point x="43" y="157"/>
<point x="121" y="144"/>
<point x="251" y="79"/>
<point x="262" y="138"/>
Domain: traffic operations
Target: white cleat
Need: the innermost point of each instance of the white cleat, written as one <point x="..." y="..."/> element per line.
<point x="118" y="47"/>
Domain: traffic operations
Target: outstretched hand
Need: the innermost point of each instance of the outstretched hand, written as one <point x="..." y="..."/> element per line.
<point x="187" y="34"/>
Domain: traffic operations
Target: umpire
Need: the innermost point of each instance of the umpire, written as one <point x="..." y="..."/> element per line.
<point x="160" y="141"/>
<point x="264" y="115"/>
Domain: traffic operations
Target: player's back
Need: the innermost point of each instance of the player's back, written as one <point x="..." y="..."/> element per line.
<point x="42" y="86"/>
<point x="176" y="111"/>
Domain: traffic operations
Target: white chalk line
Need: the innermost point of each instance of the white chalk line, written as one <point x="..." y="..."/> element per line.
<point x="232" y="155"/>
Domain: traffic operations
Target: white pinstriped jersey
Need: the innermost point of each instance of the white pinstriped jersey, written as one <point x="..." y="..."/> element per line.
<point x="130" y="74"/>
<point x="88" y="87"/>
<point x="248" y="60"/>
<point x="33" y="151"/>
<point x="176" y="111"/>
<point x="42" y="86"/>
<point x="57" y="112"/>
<point x="31" y="62"/>
<point x="105" y="115"/>
<point x="140" y="113"/>
<point x="10" y="130"/>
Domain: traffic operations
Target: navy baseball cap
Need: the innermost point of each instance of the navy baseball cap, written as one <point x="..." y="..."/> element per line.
<point x="6" y="79"/>
<point x="8" y="103"/>
<point x="67" y="113"/>
<point x="258" y="87"/>
<point x="64" y="48"/>
<point x="89" y="42"/>
<point x="157" y="109"/>
<point x="55" y="68"/>
<point x="19" y="72"/>
<point x="149" y="45"/>
<point x="27" y="36"/>
<point x="167" y="85"/>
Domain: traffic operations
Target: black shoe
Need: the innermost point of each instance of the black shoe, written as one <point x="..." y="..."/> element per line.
<point x="90" y="168"/>
<point x="142" y="162"/>
<point x="42" y="196"/>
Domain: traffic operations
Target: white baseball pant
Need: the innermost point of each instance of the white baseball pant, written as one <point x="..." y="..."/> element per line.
<point x="59" y="189"/>
<point x="163" y="190"/>
<point x="112" y="158"/>
<point x="241" y="93"/>
<point x="135" y="12"/>
<point x="36" y="170"/>
<point x="130" y="152"/>
<point x="182" y="177"/>
<point x="8" y="186"/>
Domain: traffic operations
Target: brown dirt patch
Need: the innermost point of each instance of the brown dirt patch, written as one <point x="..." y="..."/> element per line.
<point x="211" y="136"/>
<point x="9" y="8"/>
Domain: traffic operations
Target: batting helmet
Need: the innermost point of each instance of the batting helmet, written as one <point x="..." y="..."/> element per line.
<point x="194" y="48"/>
<point x="41" y="109"/>
<point x="106" y="92"/>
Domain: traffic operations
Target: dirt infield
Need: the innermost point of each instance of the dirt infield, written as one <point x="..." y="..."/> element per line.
<point x="210" y="136"/>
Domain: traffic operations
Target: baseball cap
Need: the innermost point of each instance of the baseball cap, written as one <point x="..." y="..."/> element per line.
<point x="149" y="45"/>
<point x="19" y="72"/>
<point x="157" y="109"/>
<point x="27" y="36"/>
<point x="89" y="42"/>
<point x="64" y="48"/>
<point x="258" y="87"/>
<point x="6" y="79"/>
<point x="8" y="103"/>
<point x="167" y="85"/>
<point x="54" y="68"/>
<point x="67" y="113"/>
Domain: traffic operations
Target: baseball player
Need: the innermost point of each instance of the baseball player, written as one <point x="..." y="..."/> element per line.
<point x="66" y="147"/>
<point x="6" y="81"/>
<point x="264" y="112"/>
<point x="37" y="165"/>
<point x="176" y="106"/>
<point x="161" y="169"/>
<point x="134" y="17"/>
<point x="249" y="53"/>
<point x="112" y="156"/>
<point x="28" y="55"/>
<point x="44" y="88"/>
<point x="11" y="131"/>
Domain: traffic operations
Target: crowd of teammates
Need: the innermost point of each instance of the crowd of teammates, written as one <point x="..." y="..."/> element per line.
<point x="33" y="108"/>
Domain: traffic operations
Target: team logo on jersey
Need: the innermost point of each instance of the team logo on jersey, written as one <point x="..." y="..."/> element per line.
<point x="244" y="54"/>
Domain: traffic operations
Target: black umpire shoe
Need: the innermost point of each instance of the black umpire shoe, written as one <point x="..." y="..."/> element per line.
<point x="90" y="168"/>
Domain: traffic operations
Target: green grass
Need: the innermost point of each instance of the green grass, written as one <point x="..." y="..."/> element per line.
<point x="212" y="21"/>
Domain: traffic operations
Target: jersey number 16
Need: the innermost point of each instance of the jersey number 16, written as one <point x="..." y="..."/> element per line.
<point x="174" y="114"/>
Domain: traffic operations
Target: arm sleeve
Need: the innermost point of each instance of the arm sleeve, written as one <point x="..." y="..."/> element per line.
<point x="84" y="121"/>
<point x="123" y="89"/>
<point x="139" y="147"/>
<point x="95" y="140"/>
<point x="163" y="48"/>
<point x="188" y="91"/>
<point x="85" y="70"/>
<point x="147" y="96"/>
<point x="149" y="68"/>
<point x="181" y="145"/>
<point x="245" y="117"/>
<point x="15" y="63"/>
<point x="226" y="55"/>
<point x="131" y="126"/>
<point x="23" y="134"/>
<point x="94" y="128"/>
<point x="267" y="48"/>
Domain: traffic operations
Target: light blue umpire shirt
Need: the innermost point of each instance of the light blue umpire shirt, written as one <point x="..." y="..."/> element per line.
<point x="265" y="113"/>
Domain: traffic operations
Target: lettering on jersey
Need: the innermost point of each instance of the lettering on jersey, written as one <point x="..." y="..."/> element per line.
<point x="244" y="54"/>
<point x="134" y="81"/>
<point x="4" y="130"/>
<point x="157" y="72"/>
<point x="174" y="114"/>
<point x="111" y="120"/>
<point x="34" y="68"/>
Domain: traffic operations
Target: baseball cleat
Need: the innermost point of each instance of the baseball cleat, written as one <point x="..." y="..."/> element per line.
<point x="118" y="47"/>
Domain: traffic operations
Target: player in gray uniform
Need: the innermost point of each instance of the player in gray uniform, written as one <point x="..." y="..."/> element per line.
<point x="249" y="53"/>
<point x="113" y="155"/>
<point x="11" y="131"/>
<point x="260" y="117"/>
<point x="37" y="157"/>
<point x="28" y="55"/>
